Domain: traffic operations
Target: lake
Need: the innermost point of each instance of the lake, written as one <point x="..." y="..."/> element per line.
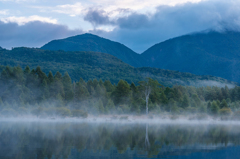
<point x="105" y="140"/>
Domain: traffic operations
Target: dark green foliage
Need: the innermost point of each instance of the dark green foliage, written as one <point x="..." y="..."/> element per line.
<point x="209" y="107"/>
<point x="81" y="92"/>
<point x="27" y="70"/>
<point x="108" y="85"/>
<point x="110" y="106"/>
<point x="100" y="107"/>
<point x="90" y="65"/>
<point x="216" y="51"/>
<point x="185" y="102"/>
<point x="67" y="86"/>
<point x="195" y="100"/>
<point x="223" y="104"/>
<point x="121" y="93"/>
<point x="32" y="91"/>
<point x="214" y="108"/>
<point x="50" y="77"/>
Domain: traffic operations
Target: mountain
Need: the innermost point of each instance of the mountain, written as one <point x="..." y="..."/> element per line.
<point x="204" y="53"/>
<point x="90" y="42"/>
<point x="90" y="65"/>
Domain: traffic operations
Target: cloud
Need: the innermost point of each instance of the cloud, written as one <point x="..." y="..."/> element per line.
<point x="137" y="5"/>
<point x="32" y="34"/>
<point x="24" y="20"/>
<point x="79" y="8"/>
<point x="98" y="17"/>
<point x="3" y="12"/>
<point x="17" y="1"/>
<point x="69" y="9"/>
<point x="140" y="31"/>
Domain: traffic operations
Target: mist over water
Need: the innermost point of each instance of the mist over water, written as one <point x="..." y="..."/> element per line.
<point x="73" y="139"/>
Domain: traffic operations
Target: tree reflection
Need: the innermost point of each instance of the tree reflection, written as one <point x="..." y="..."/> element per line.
<point x="45" y="140"/>
<point x="147" y="144"/>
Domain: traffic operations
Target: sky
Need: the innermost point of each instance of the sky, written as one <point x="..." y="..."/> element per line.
<point x="138" y="24"/>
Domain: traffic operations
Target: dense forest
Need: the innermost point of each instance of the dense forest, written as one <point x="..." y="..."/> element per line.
<point x="32" y="91"/>
<point x="90" y="65"/>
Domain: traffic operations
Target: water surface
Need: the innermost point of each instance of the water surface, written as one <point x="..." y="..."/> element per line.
<point x="73" y="140"/>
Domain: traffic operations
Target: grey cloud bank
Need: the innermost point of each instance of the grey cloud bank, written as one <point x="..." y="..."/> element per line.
<point x="140" y="31"/>
<point x="32" y="34"/>
<point x="137" y="31"/>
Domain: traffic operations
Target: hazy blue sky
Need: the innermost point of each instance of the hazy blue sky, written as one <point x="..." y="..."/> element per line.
<point x="136" y="23"/>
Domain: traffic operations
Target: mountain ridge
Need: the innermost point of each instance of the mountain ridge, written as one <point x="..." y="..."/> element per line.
<point x="202" y="53"/>
<point x="90" y="42"/>
<point x="210" y="53"/>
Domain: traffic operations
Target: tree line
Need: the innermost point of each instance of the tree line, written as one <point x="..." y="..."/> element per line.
<point x="25" y="89"/>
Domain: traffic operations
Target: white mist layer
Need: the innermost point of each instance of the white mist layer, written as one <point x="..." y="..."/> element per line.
<point x="124" y="119"/>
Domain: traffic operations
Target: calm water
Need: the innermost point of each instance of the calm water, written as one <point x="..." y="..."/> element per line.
<point x="57" y="140"/>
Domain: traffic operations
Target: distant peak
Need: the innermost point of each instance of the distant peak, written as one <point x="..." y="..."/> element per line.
<point x="83" y="36"/>
<point x="87" y="35"/>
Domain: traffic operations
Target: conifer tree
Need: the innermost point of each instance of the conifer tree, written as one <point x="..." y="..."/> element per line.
<point x="110" y="105"/>
<point x="209" y="106"/>
<point x="41" y="75"/>
<point x="95" y="83"/>
<point x="67" y="85"/>
<point x="27" y="70"/>
<point x="185" y="102"/>
<point x="214" y="108"/>
<point x="101" y="82"/>
<point x="122" y="92"/>
<point x="223" y="104"/>
<point x="83" y="82"/>
<point x="45" y="89"/>
<point x="18" y="75"/>
<point x="108" y="85"/>
<point x="58" y="76"/>
<point x="50" y="77"/>
<point x="81" y="92"/>
<point x="100" y="107"/>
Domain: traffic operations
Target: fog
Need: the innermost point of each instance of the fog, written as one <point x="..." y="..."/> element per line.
<point x="160" y="119"/>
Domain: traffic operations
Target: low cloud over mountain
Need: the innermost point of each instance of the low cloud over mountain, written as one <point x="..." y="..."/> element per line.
<point x="137" y="30"/>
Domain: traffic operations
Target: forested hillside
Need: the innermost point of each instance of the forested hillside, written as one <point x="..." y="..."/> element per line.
<point x="90" y="42"/>
<point x="206" y="53"/>
<point x="90" y="65"/>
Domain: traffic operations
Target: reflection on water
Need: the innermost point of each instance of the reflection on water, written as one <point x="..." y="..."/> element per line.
<point x="55" y="140"/>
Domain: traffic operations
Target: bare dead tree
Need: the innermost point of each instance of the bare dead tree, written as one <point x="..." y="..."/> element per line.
<point x="147" y="93"/>
<point x="147" y="88"/>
